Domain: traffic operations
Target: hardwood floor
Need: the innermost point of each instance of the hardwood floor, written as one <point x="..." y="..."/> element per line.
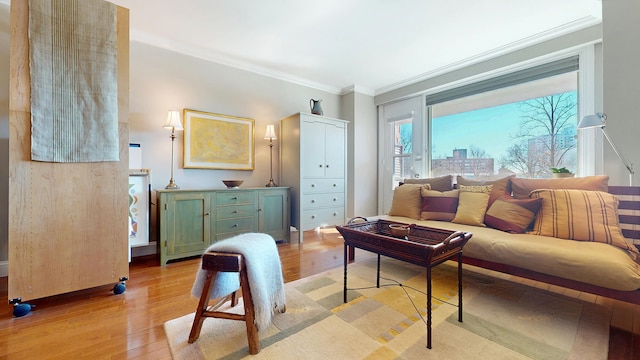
<point x="96" y="324"/>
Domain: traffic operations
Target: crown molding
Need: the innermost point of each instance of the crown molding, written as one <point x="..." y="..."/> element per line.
<point x="358" y="89"/>
<point x="202" y="53"/>
<point x="565" y="29"/>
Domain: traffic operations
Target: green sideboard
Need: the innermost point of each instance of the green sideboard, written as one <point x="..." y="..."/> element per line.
<point x="191" y="220"/>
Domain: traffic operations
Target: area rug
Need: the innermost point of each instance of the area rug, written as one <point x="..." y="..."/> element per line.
<point x="501" y="320"/>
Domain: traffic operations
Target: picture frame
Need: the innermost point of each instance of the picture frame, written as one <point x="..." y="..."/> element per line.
<point x="216" y="141"/>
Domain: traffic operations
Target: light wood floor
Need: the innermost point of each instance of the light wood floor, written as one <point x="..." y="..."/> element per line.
<point x="96" y="324"/>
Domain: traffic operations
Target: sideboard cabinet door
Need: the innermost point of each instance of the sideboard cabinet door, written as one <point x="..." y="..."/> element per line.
<point x="185" y="224"/>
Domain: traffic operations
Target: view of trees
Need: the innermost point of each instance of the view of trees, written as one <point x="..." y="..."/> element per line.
<point x="545" y="138"/>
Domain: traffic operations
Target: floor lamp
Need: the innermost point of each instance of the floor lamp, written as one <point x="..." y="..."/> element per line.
<point x="173" y="123"/>
<point x="599" y="120"/>
<point x="270" y="135"/>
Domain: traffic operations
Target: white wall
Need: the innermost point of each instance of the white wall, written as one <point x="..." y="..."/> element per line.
<point x="162" y="80"/>
<point x="621" y="90"/>
<point x="362" y="152"/>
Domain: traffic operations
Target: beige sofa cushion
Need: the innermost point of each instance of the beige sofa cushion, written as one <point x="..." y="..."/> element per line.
<point x="588" y="262"/>
<point x="472" y="205"/>
<point x="500" y="186"/>
<point x="407" y="201"/>
<point x="443" y="183"/>
<point x="521" y="187"/>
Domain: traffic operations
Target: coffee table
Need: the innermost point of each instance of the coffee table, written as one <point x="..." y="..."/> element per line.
<point x="424" y="246"/>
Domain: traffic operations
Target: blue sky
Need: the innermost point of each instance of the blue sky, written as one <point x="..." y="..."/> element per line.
<point x="490" y="129"/>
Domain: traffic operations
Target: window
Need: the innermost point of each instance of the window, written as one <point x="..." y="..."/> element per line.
<point x="402" y="150"/>
<point x="526" y="128"/>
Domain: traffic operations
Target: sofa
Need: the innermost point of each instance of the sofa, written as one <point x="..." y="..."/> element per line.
<point x="567" y="232"/>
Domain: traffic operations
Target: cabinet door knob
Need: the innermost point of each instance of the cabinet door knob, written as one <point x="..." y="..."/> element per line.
<point x="235" y="211"/>
<point x="235" y="225"/>
<point x="335" y="199"/>
<point x="327" y="165"/>
<point x="259" y="209"/>
<point x="313" y="216"/>
<point x="207" y="214"/>
<point x="234" y="198"/>
<point x="335" y="185"/>
<point x="320" y="165"/>
<point x="335" y="214"/>
<point x="313" y="201"/>
<point x="313" y="185"/>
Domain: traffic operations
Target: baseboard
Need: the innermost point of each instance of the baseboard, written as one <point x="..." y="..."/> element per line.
<point x="144" y="250"/>
<point x="4" y="268"/>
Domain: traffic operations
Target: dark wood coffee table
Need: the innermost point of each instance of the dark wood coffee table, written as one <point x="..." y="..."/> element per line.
<point x="424" y="246"/>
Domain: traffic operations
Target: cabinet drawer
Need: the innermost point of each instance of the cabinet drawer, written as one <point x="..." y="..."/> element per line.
<point x="312" y="218"/>
<point x="236" y="225"/>
<point x="235" y="197"/>
<point x="235" y="211"/>
<point x="309" y="201"/>
<point x="322" y="186"/>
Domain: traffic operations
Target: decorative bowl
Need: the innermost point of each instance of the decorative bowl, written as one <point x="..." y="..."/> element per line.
<point x="400" y="230"/>
<point x="232" y="184"/>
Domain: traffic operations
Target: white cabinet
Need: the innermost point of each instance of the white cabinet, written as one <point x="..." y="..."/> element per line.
<point x="313" y="161"/>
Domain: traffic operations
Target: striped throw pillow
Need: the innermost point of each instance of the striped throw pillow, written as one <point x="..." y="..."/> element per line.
<point x="512" y="215"/>
<point x="580" y="215"/>
<point x="439" y="205"/>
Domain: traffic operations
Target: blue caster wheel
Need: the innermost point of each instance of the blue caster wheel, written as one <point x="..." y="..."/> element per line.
<point x="119" y="288"/>
<point x="20" y="309"/>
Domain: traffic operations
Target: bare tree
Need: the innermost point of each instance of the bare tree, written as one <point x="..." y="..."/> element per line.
<point x="552" y="116"/>
<point x="547" y="135"/>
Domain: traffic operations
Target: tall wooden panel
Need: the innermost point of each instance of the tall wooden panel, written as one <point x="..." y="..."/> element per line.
<point x="67" y="221"/>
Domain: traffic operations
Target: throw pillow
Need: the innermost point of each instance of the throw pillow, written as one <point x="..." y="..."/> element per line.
<point x="500" y="186"/>
<point x="580" y="215"/>
<point x="522" y="187"/>
<point x="407" y="201"/>
<point x="439" y="205"/>
<point x="442" y="183"/>
<point x="472" y="205"/>
<point x="512" y="215"/>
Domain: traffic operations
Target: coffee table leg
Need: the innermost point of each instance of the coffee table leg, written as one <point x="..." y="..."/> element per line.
<point x="378" y="274"/>
<point x="344" y="291"/>
<point x="460" y="287"/>
<point x="428" y="307"/>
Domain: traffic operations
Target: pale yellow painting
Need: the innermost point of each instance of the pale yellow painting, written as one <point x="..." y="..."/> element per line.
<point x="215" y="141"/>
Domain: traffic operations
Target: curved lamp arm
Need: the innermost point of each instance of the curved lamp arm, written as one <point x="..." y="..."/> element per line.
<point x="599" y="120"/>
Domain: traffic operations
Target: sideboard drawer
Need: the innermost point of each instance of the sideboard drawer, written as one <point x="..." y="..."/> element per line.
<point x="235" y="211"/>
<point x="235" y="197"/>
<point x="322" y="186"/>
<point x="236" y="225"/>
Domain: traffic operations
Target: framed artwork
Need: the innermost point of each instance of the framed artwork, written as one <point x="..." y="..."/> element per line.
<point x="139" y="188"/>
<point x="215" y="141"/>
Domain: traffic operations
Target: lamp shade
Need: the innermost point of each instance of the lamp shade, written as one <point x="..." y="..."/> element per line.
<point x="270" y="134"/>
<point x="173" y="121"/>
<point x="591" y="121"/>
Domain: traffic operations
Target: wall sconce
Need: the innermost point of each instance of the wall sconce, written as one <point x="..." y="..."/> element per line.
<point x="173" y="123"/>
<point x="599" y="120"/>
<point x="270" y="135"/>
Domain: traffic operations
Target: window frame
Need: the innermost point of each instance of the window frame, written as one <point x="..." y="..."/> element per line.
<point x="588" y="140"/>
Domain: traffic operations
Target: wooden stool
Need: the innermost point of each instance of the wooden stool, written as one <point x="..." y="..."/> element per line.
<point x="226" y="262"/>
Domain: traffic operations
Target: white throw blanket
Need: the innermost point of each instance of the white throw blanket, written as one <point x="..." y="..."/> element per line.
<point x="264" y="271"/>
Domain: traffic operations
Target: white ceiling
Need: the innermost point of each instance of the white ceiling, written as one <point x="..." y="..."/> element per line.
<point x="372" y="45"/>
